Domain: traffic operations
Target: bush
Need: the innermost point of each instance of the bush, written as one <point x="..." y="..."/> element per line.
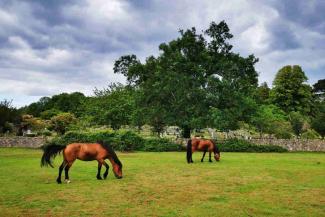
<point x="87" y="137"/>
<point x="310" y="134"/>
<point x="282" y="130"/>
<point x="120" y="140"/>
<point x="128" y="141"/>
<point x="160" y="145"/>
<point x="44" y="132"/>
<point x="61" y="122"/>
<point x="237" y="145"/>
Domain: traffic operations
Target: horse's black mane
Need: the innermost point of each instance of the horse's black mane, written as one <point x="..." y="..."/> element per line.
<point x="216" y="148"/>
<point x="111" y="151"/>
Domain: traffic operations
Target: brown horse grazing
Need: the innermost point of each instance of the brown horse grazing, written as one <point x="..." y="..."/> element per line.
<point x="83" y="151"/>
<point x="202" y="145"/>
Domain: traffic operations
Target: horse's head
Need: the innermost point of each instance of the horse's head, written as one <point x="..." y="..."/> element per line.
<point x="117" y="169"/>
<point x="216" y="151"/>
<point x="217" y="156"/>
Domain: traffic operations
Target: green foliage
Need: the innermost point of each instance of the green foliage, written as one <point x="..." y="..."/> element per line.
<point x="128" y="141"/>
<point x="318" y="123"/>
<point x="120" y="140"/>
<point x="262" y="94"/>
<point x="36" y="108"/>
<point x="310" y="134"/>
<point x="8" y="127"/>
<point x="237" y="145"/>
<point x="8" y="115"/>
<point x="61" y="122"/>
<point x="160" y="145"/>
<point x="66" y="102"/>
<point x="290" y="92"/>
<point x="224" y="119"/>
<point x="282" y="129"/>
<point x="269" y="119"/>
<point x="45" y="132"/>
<point x="48" y="114"/>
<point x="35" y="124"/>
<point x="191" y="75"/>
<point x="297" y="122"/>
<point x="114" y="106"/>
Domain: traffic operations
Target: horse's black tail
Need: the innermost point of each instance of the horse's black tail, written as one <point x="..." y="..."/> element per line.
<point x="189" y="151"/>
<point x="49" y="153"/>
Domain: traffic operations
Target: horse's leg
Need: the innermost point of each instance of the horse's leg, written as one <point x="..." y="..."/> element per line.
<point x="107" y="168"/>
<point x="66" y="170"/>
<point x="58" y="180"/>
<point x="210" y="156"/>
<point x="191" y="157"/>
<point x="99" y="168"/>
<point x="204" y="152"/>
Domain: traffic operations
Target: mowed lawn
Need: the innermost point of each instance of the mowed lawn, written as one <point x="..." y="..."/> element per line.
<point x="163" y="184"/>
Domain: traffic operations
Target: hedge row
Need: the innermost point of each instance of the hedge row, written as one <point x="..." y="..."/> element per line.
<point x="121" y="141"/>
<point x="130" y="141"/>
<point x="238" y="145"/>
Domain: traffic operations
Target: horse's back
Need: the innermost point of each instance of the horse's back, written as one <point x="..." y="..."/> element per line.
<point x="203" y="144"/>
<point x="84" y="151"/>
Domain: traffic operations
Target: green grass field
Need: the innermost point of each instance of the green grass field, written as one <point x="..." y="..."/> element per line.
<point x="163" y="184"/>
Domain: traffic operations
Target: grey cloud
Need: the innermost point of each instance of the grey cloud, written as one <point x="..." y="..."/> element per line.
<point x="53" y="46"/>
<point x="283" y="37"/>
<point x="309" y="14"/>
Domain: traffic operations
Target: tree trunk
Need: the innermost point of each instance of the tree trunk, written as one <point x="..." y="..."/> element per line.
<point x="186" y="132"/>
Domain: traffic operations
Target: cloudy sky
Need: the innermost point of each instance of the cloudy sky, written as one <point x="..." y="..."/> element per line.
<point x="53" y="46"/>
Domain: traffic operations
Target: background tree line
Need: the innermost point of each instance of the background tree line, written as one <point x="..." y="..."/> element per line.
<point x="195" y="82"/>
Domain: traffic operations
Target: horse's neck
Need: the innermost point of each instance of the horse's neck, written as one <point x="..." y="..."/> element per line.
<point x="110" y="158"/>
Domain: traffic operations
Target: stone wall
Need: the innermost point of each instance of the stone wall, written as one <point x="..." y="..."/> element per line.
<point x="290" y="144"/>
<point x="19" y="141"/>
<point x="294" y="144"/>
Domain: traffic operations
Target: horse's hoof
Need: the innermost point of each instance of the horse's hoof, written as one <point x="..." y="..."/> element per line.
<point x="105" y="176"/>
<point x="67" y="181"/>
<point x="99" y="178"/>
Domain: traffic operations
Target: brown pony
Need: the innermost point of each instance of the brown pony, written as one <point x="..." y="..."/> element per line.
<point x="202" y="145"/>
<point x="83" y="151"/>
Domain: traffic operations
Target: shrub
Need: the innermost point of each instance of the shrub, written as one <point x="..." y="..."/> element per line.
<point x="310" y="134"/>
<point x="128" y="141"/>
<point x="35" y="124"/>
<point x="44" y="132"/>
<point x="237" y="145"/>
<point x="48" y="114"/>
<point x="282" y="130"/>
<point x="120" y="140"/>
<point x="62" y="121"/>
<point x="160" y="145"/>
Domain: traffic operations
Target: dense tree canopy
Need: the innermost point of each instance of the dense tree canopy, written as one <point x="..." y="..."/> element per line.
<point x="64" y="102"/>
<point x="191" y="75"/>
<point x="290" y="92"/>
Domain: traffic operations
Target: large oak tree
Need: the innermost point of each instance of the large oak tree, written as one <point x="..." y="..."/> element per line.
<point x="192" y="76"/>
